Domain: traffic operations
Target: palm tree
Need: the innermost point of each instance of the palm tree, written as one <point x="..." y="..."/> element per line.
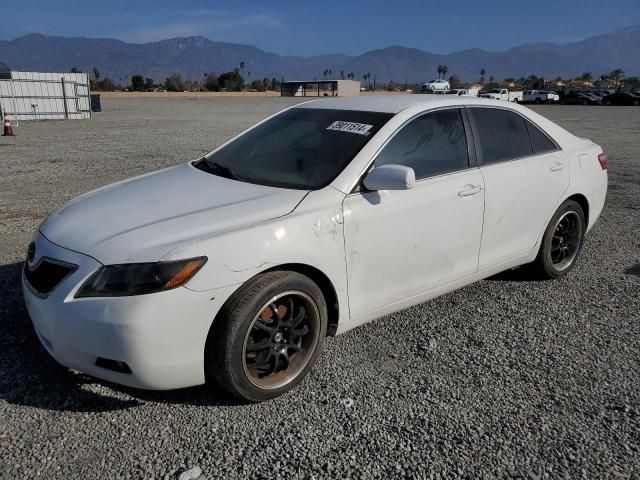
<point x="445" y="69"/>
<point x="342" y="74"/>
<point x="439" y="70"/>
<point x="324" y="74"/>
<point x="483" y="72"/>
<point x="242" y="73"/>
<point x="491" y="79"/>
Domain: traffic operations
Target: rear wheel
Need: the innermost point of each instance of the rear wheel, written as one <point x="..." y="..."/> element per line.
<point x="268" y="336"/>
<point x="561" y="242"/>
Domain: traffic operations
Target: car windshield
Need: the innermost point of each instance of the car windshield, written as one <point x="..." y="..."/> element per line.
<point x="300" y="148"/>
<point x="495" y="90"/>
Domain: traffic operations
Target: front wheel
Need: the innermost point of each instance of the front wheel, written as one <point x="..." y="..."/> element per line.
<point x="268" y="336"/>
<point x="562" y="241"/>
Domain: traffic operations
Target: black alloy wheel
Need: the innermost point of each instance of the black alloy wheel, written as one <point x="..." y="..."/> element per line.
<point x="281" y="340"/>
<point x="562" y="242"/>
<point x="267" y="336"/>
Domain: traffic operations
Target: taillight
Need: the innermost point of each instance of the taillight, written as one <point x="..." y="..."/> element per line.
<point x="602" y="158"/>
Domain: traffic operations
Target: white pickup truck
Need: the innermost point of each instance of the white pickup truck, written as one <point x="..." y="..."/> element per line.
<point x="540" y="96"/>
<point x="502" y="94"/>
<point x="463" y="92"/>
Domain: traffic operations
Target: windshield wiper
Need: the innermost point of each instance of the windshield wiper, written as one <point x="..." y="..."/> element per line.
<point x="215" y="168"/>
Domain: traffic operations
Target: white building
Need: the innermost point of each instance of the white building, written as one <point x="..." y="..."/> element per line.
<point x="319" y="88"/>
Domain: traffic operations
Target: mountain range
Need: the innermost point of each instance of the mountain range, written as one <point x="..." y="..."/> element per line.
<point x="194" y="56"/>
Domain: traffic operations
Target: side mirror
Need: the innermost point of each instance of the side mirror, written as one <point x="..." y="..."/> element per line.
<point x="390" y="177"/>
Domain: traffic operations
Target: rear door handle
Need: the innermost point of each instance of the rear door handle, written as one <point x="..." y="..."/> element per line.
<point x="472" y="190"/>
<point x="556" y="167"/>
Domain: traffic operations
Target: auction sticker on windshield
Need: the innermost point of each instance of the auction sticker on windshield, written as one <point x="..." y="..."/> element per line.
<point x="350" y="127"/>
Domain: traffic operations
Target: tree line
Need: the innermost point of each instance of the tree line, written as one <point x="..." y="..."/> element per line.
<point x="232" y="81"/>
<point x="239" y="80"/>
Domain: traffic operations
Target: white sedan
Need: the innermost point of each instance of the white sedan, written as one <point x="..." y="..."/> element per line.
<point x="439" y="84"/>
<point x="233" y="268"/>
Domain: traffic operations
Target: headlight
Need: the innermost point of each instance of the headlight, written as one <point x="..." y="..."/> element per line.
<point x="139" y="278"/>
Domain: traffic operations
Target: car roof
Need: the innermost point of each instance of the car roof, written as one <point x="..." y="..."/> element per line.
<point x="396" y="103"/>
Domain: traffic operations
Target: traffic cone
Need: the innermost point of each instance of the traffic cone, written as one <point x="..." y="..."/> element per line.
<point x="8" y="129"/>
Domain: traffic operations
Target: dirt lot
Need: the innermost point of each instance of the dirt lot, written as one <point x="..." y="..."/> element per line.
<point x="506" y="377"/>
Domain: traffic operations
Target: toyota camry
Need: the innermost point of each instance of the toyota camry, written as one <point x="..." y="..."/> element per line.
<point x="233" y="268"/>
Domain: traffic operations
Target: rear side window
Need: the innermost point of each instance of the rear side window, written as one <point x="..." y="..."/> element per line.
<point x="540" y="142"/>
<point x="503" y="135"/>
<point x="432" y="144"/>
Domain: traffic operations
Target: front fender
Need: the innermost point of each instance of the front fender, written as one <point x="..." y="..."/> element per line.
<point x="311" y="235"/>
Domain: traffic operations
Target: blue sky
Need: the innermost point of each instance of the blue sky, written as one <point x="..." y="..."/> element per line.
<point x="325" y="26"/>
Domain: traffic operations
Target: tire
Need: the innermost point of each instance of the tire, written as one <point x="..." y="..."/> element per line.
<point x="553" y="261"/>
<point x="537" y="101"/>
<point x="255" y="349"/>
<point x="636" y="103"/>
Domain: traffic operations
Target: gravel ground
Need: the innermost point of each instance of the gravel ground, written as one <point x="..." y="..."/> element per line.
<point x="505" y="378"/>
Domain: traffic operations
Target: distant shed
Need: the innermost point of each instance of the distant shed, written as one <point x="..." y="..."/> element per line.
<point x="43" y="96"/>
<point x="320" y="88"/>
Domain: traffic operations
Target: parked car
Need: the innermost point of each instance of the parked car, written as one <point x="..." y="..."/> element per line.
<point x="502" y="94"/>
<point x="233" y="268"/>
<point x="539" y="96"/>
<point x="593" y="96"/>
<point x="577" y="98"/>
<point x="461" y="92"/>
<point x="439" y="84"/>
<point x="621" y="98"/>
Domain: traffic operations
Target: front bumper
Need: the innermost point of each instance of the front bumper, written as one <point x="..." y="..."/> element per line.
<point x="161" y="336"/>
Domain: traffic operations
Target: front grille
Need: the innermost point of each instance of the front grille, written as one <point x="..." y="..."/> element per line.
<point x="47" y="274"/>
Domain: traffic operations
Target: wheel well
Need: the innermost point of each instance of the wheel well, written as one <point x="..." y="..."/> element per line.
<point x="328" y="290"/>
<point x="584" y="203"/>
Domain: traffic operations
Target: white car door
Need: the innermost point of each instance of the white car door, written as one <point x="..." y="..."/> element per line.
<point x="405" y="242"/>
<point x="525" y="175"/>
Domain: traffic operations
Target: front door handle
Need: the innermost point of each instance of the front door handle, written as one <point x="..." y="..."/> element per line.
<point x="472" y="190"/>
<point x="556" y="167"/>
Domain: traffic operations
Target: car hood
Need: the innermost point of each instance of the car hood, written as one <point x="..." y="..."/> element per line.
<point x="143" y="218"/>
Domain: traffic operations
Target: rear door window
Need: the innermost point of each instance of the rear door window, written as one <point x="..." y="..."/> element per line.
<point x="503" y="135"/>
<point x="432" y="144"/>
<point x="540" y="141"/>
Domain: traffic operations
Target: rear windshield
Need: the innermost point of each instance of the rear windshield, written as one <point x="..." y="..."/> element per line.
<point x="301" y="148"/>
